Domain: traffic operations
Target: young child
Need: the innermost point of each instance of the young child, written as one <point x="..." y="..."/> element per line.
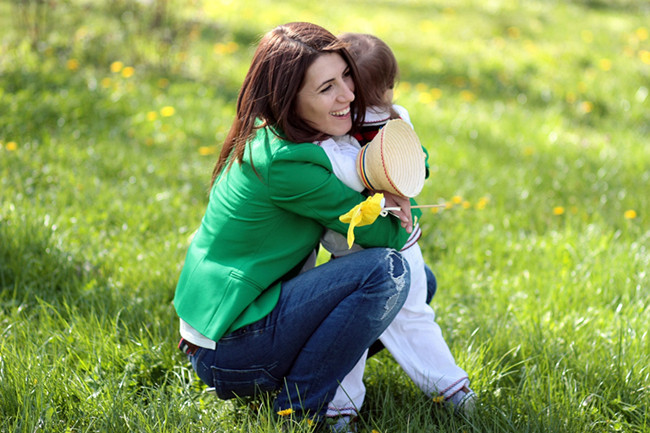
<point x="413" y="338"/>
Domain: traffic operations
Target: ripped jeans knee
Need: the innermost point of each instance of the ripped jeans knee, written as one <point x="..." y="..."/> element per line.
<point x="399" y="273"/>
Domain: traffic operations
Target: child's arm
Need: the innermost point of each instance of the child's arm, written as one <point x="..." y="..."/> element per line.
<point x="342" y="153"/>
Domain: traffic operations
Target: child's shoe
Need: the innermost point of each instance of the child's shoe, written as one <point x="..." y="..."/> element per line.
<point x="464" y="401"/>
<point x="342" y="424"/>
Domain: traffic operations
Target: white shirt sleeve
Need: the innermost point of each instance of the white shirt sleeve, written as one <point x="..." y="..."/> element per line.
<point x="403" y="113"/>
<point x="342" y="152"/>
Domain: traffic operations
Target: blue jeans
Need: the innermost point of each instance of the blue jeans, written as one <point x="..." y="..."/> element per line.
<point x="323" y="322"/>
<point x="432" y="283"/>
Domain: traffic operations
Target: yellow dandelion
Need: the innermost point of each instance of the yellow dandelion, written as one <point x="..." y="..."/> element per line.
<point x="11" y="146"/>
<point x="438" y="399"/>
<point x="219" y="48"/>
<point x="425" y="98"/>
<point x="163" y="82"/>
<point x="207" y="150"/>
<point x="167" y="111"/>
<point x="285" y="412"/>
<point x="587" y="36"/>
<point x="558" y="210"/>
<point x="605" y="64"/>
<point x="435" y="209"/>
<point x="436" y="93"/>
<point x="467" y="96"/>
<point x="375" y="431"/>
<point x="644" y="55"/>
<point x="128" y="72"/>
<point x="81" y="32"/>
<point x="482" y="203"/>
<point x="152" y="115"/>
<point x="227" y="48"/>
<point x="248" y="14"/>
<point x="586" y="107"/>
<point x="571" y="97"/>
<point x="459" y="81"/>
<point x="427" y="26"/>
<point x="466" y="204"/>
<point x="514" y="32"/>
<point x="117" y="66"/>
<point x="106" y="82"/>
<point x="530" y="46"/>
<point x="449" y="205"/>
<point x="457" y="199"/>
<point x="421" y="87"/>
<point x="498" y="42"/>
<point x="630" y="214"/>
<point x="642" y="33"/>
<point x="404" y="86"/>
<point x="72" y="64"/>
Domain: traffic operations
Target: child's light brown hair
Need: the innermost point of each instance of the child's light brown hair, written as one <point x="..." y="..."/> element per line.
<point x="377" y="66"/>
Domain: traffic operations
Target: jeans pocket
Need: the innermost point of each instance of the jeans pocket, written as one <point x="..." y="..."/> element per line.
<point x="230" y="383"/>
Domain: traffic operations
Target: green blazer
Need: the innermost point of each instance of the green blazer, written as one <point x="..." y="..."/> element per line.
<point x="259" y="225"/>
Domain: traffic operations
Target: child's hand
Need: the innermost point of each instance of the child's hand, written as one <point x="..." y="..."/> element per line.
<point x="404" y="214"/>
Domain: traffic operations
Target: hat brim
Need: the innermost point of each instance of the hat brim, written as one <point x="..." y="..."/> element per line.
<point x="393" y="161"/>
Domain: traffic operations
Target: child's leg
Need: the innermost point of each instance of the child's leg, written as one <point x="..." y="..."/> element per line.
<point x="351" y="392"/>
<point x="415" y="339"/>
<point x="432" y="287"/>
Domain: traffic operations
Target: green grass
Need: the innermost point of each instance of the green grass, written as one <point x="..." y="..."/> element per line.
<point x="536" y="116"/>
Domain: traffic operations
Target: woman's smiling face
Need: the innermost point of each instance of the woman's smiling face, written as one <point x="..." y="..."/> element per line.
<point x="325" y="97"/>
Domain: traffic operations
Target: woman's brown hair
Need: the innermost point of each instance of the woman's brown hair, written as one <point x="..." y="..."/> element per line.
<point x="377" y="66"/>
<point x="269" y="92"/>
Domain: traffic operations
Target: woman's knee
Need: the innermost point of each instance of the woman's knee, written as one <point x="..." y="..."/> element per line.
<point x="394" y="271"/>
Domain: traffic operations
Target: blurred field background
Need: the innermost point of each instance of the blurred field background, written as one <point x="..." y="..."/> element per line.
<point x="536" y="115"/>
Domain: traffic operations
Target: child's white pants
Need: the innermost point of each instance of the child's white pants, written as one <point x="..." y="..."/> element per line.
<point x="415" y="341"/>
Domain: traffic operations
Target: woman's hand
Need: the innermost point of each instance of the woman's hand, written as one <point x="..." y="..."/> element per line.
<point x="404" y="204"/>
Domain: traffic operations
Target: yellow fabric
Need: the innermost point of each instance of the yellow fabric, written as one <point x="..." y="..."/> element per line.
<point x="363" y="214"/>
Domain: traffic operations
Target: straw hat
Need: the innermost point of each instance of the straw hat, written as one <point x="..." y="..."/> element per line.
<point x="393" y="161"/>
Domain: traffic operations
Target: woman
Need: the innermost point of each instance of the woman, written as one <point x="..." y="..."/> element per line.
<point x="252" y="318"/>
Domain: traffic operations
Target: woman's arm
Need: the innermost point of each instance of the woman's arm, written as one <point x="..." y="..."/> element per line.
<point x="301" y="181"/>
